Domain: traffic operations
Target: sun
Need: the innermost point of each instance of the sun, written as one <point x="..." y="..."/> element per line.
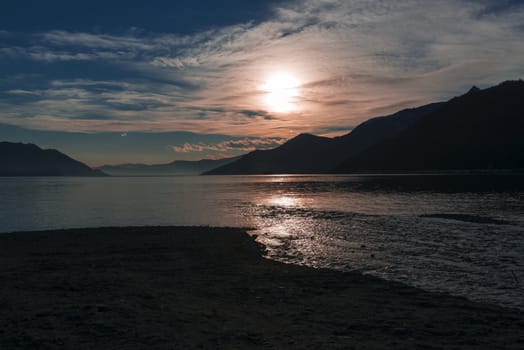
<point x="282" y="90"/>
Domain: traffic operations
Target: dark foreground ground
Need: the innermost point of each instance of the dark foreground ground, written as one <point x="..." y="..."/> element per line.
<point x="206" y="288"/>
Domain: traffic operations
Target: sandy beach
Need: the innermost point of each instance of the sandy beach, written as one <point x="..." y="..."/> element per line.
<point x="210" y="288"/>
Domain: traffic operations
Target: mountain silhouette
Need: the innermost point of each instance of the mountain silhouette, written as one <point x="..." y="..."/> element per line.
<point x="20" y="159"/>
<point x="377" y="129"/>
<point x="303" y="154"/>
<point x="482" y="129"/>
<point x="473" y="90"/>
<point x="312" y="154"/>
<point x="177" y="167"/>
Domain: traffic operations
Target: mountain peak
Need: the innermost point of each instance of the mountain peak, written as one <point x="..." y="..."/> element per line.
<point x="304" y="139"/>
<point x="303" y="136"/>
<point x="479" y="130"/>
<point x="473" y="90"/>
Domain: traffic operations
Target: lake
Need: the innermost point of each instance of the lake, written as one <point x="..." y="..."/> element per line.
<point x="460" y="234"/>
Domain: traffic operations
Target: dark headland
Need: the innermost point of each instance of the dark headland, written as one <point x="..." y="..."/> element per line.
<point x="21" y="159"/>
<point x="207" y="288"/>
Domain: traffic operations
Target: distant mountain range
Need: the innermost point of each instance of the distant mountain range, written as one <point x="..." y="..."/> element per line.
<point x="177" y="167"/>
<point x="482" y="129"/>
<point x="20" y="159"/>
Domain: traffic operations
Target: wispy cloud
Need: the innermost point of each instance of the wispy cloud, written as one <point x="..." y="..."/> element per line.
<point x="354" y="59"/>
<point x="244" y="145"/>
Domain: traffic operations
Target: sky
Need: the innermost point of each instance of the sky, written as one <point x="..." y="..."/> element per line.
<point x="113" y="82"/>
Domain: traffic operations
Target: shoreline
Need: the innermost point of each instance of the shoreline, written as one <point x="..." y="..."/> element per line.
<point x="204" y="287"/>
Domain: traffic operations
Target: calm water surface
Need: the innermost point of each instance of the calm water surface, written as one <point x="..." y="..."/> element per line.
<point x="371" y="223"/>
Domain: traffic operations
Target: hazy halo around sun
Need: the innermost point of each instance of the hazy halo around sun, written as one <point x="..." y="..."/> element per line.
<point x="282" y="90"/>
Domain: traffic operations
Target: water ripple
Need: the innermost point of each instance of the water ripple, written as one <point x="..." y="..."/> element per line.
<point x="482" y="261"/>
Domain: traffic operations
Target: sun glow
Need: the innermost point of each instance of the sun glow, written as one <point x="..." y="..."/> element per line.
<point x="282" y="91"/>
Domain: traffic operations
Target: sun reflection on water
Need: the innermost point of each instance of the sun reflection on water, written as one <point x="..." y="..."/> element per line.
<point x="281" y="178"/>
<point x="347" y="224"/>
<point x="284" y="201"/>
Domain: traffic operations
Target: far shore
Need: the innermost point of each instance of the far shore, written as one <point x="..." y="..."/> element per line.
<point x="211" y="288"/>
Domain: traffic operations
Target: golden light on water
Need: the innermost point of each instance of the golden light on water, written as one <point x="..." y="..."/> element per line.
<point x="282" y="91"/>
<point x="284" y="201"/>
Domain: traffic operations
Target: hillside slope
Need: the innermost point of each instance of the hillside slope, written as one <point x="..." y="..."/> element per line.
<point x="479" y="130"/>
<point x="20" y="159"/>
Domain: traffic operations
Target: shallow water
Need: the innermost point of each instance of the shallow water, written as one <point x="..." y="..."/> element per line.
<point x="458" y="234"/>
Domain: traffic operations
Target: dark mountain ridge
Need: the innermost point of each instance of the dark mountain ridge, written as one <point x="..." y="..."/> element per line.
<point x="483" y="129"/>
<point x="377" y="129"/>
<point x="303" y="154"/>
<point x="312" y="154"/>
<point x="20" y="159"/>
